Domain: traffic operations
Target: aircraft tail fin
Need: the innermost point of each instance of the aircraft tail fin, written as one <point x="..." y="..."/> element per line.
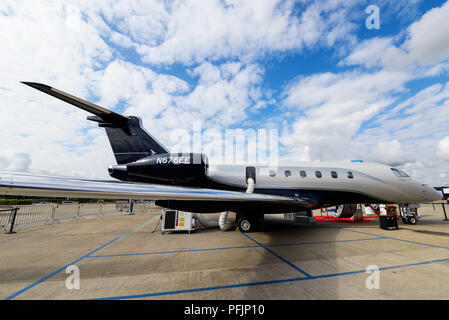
<point x="129" y="140"/>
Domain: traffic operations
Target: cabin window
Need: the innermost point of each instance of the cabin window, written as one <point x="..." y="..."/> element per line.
<point x="399" y="173"/>
<point x="334" y="174"/>
<point x="302" y="174"/>
<point x="318" y="174"/>
<point x="288" y="173"/>
<point x="350" y="175"/>
<point x="272" y="173"/>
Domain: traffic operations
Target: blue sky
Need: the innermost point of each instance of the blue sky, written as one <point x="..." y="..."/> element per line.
<point x="334" y="89"/>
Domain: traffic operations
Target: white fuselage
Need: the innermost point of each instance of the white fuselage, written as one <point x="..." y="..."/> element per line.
<point x="370" y="179"/>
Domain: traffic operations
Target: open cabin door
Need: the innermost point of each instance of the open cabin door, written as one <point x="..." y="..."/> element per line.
<point x="250" y="179"/>
<point x="250" y="173"/>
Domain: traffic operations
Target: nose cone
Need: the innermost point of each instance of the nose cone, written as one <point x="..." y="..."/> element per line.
<point x="431" y="194"/>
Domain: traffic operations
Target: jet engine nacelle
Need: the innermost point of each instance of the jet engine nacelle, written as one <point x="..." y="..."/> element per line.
<point x="176" y="167"/>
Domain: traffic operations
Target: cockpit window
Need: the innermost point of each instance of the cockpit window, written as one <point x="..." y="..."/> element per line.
<point x="399" y="173"/>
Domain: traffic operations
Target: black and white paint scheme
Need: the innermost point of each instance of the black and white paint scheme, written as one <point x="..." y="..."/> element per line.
<point x="146" y="169"/>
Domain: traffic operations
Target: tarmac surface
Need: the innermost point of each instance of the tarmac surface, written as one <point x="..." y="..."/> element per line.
<point x="120" y="257"/>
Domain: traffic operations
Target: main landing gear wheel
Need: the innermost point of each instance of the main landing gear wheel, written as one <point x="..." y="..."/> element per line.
<point x="248" y="223"/>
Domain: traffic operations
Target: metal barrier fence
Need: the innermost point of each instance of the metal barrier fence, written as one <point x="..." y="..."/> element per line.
<point x="437" y="204"/>
<point x="31" y="214"/>
<point x="5" y="217"/>
<point x="138" y="206"/>
<point x="8" y="216"/>
<point x="49" y="213"/>
<point x="75" y="211"/>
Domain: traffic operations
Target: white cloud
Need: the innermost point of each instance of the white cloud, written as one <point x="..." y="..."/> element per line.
<point x="124" y="81"/>
<point x="64" y="49"/>
<point x="443" y="148"/>
<point x="194" y="32"/>
<point x="20" y="161"/>
<point x="4" y="163"/>
<point x="332" y="108"/>
<point x="426" y="45"/>
<point x="429" y="37"/>
<point x="348" y="89"/>
<point x="51" y="43"/>
<point x="428" y="98"/>
<point x="62" y="45"/>
<point x="221" y="97"/>
<point x="389" y="152"/>
<point x="371" y="52"/>
<point x="419" y="124"/>
<point x="353" y="116"/>
<point x="420" y="119"/>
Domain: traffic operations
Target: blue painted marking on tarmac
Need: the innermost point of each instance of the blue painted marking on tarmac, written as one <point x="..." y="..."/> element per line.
<point x="200" y="289"/>
<point x="278" y="256"/>
<point x="228" y="248"/>
<point x="165" y="252"/>
<point x="76" y="261"/>
<point x="391" y="238"/>
<point x="381" y="269"/>
<point x="321" y="242"/>
<point x="252" y="284"/>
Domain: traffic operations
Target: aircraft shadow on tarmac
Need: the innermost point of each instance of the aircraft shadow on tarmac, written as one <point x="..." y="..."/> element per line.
<point x="287" y="249"/>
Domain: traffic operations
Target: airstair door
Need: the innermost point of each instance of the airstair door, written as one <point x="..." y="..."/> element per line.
<point x="251" y="173"/>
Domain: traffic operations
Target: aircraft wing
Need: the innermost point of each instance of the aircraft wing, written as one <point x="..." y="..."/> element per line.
<point x="26" y="184"/>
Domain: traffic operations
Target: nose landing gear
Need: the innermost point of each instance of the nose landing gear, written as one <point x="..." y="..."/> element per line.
<point x="410" y="215"/>
<point x="409" y="220"/>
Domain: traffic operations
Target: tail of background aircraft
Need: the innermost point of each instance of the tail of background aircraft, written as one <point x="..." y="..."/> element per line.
<point x="129" y="140"/>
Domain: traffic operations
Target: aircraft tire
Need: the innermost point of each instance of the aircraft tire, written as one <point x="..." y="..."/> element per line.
<point x="246" y="224"/>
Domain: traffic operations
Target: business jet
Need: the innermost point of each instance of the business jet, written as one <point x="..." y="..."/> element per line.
<point x="146" y="169"/>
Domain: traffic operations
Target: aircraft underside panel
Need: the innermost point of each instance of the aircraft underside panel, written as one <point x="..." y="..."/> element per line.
<point x="249" y="207"/>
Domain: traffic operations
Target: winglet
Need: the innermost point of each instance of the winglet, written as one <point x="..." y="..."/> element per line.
<point x="104" y="113"/>
<point x="129" y="140"/>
